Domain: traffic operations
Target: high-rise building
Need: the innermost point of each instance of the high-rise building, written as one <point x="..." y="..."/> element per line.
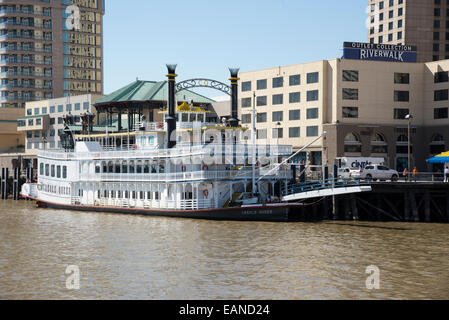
<point x="50" y="49"/>
<point x="421" y="23"/>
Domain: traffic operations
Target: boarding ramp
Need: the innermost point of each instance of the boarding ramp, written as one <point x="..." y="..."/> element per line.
<point x="324" y="188"/>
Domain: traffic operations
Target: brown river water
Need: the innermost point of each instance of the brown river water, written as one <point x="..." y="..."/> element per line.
<point x="137" y="257"/>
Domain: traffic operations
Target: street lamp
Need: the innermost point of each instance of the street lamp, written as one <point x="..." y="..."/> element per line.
<point x="409" y="117"/>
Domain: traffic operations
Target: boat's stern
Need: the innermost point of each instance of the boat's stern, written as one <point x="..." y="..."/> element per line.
<point x="29" y="190"/>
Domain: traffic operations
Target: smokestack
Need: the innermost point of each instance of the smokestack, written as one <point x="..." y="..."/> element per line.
<point x="171" y="117"/>
<point x="234" y="122"/>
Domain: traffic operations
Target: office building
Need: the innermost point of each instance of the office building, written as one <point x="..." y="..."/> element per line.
<point x="50" y="49"/>
<point x="361" y="104"/>
<point x="421" y="23"/>
<point x="44" y="120"/>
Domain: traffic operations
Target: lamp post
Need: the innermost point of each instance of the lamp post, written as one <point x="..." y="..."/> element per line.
<point x="409" y="117"/>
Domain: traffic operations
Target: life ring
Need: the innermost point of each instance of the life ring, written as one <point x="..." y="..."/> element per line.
<point x="206" y="193"/>
<point x="135" y="146"/>
<point x="184" y="168"/>
<point x="205" y="168"/>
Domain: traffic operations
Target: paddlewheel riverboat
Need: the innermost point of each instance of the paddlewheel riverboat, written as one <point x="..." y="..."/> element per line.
<point x="181" y="167"/>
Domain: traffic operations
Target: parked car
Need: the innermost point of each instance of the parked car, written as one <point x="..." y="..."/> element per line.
<point x="346" y="173"/>
<point x="376" y="172"/>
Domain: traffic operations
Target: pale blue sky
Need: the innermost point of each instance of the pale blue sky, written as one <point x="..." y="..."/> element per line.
<point x="205" y="37"/>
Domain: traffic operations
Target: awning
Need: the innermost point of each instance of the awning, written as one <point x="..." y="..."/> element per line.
<point x="441" y="158"/>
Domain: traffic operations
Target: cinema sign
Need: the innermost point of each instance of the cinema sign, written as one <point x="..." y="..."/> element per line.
<point x="379" y="52"/>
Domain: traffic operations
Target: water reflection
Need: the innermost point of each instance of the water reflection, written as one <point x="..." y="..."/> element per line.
<point x="135" y="257"/>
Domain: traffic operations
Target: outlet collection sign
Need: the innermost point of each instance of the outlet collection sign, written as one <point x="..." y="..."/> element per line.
<point x="380" y="52"/>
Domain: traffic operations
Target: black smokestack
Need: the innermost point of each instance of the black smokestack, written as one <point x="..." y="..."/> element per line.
<point x="234" y="122"/>
<point x="171" y="117"/>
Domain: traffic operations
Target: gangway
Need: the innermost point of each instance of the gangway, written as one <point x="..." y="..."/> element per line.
<point x="324" y="188"/>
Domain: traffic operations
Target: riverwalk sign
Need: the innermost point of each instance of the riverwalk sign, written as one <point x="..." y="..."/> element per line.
<point x="379" y="52"/>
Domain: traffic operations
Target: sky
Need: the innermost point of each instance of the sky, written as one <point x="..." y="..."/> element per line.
<point x="205" y="37"/>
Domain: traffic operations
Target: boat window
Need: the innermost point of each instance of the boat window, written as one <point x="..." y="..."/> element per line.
<point x="117" y="168"/>
<point x="192" y="117"/>
<point x="119" y="194"/>
<point x="97" y="168"/>
<point x="41" y="172"/>
<point x="142" y="195"/>
<point x="150" y="140"/>
<point x="124" y="167"/>
<point x="201" y="117"/>
<point x="146" y="168"/>
<point x="184" y="117"/>
<point x="161" y="168"/>
<point x="149" y="195"/>
<point x="105" y="168"/>
<point x="58" y="171"/>
<point x="106" y="193"/>
<point x="131" y="167"/>
<point x="53" y="170"/>
<point x="139" y="167"/>
<point x="113" y="194"/>
<point x="64" y="172"/>
<point x="153" y="168"/>
<point x="47" y="170"/>
<point x="156" y="195"/>
<point x="111" y="167"/>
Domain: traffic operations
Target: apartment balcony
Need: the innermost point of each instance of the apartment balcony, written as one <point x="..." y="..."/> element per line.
<point x="18" y="98"/>
<point x="25" y="36"/>
<point x="33" y="123"/>
<point x="25" y="12"/>
<point x="25" y="74"/>
<point x="24" y="61"/>
<point x="25" y="86"/>
<point x="26" y="49"/>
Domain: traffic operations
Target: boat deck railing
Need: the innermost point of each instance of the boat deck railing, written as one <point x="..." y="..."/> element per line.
<point x="188" y="204"/>
<point x="323" y="184"/>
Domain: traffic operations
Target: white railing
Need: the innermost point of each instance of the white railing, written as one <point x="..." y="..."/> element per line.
<point x="193" y="204"/>
<point x="243" y="174"/>
<point x="179" y="151"/>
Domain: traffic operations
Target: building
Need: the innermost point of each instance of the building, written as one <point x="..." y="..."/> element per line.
<point x="421" y="23"/>
<point x="50" y="48"/>
<point x="361" y="104"/>
<point x="43" y="122"/>
<point x="11" y="140"/>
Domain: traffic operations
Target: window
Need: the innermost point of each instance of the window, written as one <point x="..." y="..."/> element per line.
<point x="60" y="108"/>
<point x="261" y="101"/>
<point x="278" y="116"/>
<point x="441" y="95"/>
<point x="47" y="170"/>
<point x="381" y="16"/>
<point x="64" y="172"/>
<point x="436" y="47"/>
<point x="295" y="80"/>
<point x="440" y="113"/>
<point x="381" y="5"/>
<point x="246" y="102"/>
<point x="352" y="143"/>
<point x="53" y="170"/>
<point x="436" y="36"/>
<point x="86" y="105"/>
<point x="350" y="94"/>
<point x="31" y="122"/>
<point x="277" y="133"/>
<point x="390" y="37"/>
<point x="261" y="134"/>
<point x="401" y="96"/>
<point x="350" y="112"/>
<point x="437" y="12"/>
<point x="312" y="131"/>
<point x="391" y="3"/>
<point x="390" y="14"/>
<point x="351" y="75"/>
<point x="399" y="114"/>
<point x="278" y="82"/>
<point x="58" y="172"/>
<point x="390" y="25"/>
<point x="294" y="132"/>
<point x="77" y="106"/>
<point x="261" y="117"/>
<point x="246" y="118"/>
<point x="294" y="115"/>
<point x="400" y="12"/>
<point x="312" y="95"/>
<point x="278" y="99"/>
<point x="52" y="121"/>
<point x="68" y="107"/>
<point x="403" y="78"/>
<point x="436" y="24"/>
<point x="261" y="84"/>
<point x="60" y="120"/>
<point x="312" y="113"/>
<point x="246" y="86"/>
<point x="294" y="97"/>
<point x="399" y="35"/>
<point x="442" y="76"/>
<point x="381" y="39"/>
<point x="399" y="23"/>
<point x="312" y="77"/>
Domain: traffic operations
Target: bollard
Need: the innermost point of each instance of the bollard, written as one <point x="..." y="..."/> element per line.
<point x="15" y="184"/>
<point x="4" y="183"/>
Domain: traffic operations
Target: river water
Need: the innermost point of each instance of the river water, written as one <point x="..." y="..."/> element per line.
<point x="137" y="257"/>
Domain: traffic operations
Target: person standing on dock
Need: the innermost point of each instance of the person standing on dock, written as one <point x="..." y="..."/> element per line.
<point x="415" y="173"/>
<point x="446" y="173"/>
<point x="405" y="174"/>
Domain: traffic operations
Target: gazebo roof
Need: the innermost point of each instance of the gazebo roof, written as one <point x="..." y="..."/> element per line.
<point x="141" y="91"/>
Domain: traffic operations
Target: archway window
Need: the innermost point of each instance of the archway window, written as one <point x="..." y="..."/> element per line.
<point x="437" y="145"/>
<point x="378" y="143"/>
<point x="402" y="145"/>
<point x="352" y="143"/>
